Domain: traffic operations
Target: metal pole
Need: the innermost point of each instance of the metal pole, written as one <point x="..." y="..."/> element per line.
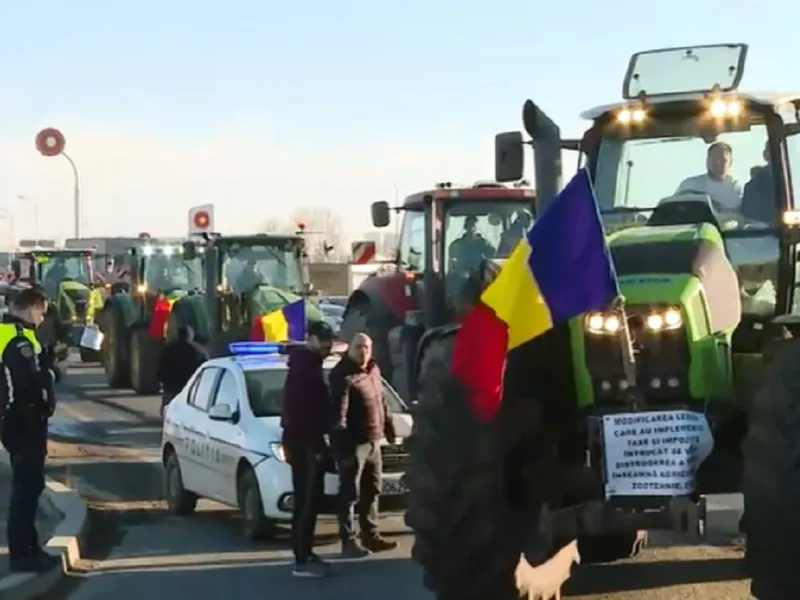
<point x="35" y="204"/>
<point x="76" y="196"/>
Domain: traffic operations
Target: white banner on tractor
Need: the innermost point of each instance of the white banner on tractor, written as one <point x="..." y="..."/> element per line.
<point x="201" y="219"/>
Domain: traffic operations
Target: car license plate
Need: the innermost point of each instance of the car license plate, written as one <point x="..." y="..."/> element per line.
<point x="393" y="487"/>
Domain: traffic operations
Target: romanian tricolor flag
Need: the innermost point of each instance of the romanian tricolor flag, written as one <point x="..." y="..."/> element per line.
<point x="158" y="322"/>
<point x="560" y="269"/>
<point x="286" y="323"/>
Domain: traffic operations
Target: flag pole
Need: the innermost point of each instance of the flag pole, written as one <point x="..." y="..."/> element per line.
<point x="628" y="355"/>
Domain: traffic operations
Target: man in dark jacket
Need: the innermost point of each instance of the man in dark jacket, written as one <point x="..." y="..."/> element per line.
<point x="179" y="360"/>
<point x="361" y="419"/>
<point x="758" y="199"/>
<point x="305" y="424"/>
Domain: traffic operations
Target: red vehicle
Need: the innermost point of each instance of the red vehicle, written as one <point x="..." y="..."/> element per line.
<point x="449" y="236"/>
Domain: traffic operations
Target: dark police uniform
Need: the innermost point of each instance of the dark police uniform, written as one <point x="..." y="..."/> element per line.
<point x="27" y="400"/>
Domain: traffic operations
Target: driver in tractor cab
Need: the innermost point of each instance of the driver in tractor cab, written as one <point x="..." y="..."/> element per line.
<point x="55" y="275"/>
<point x="512" y="236"/>
<point x="249" y="278"/>
<point x="162" y="279"/>
<point x="470" y="250"/>
<point x="758" y="201"/>
<point x="724" y="191"/>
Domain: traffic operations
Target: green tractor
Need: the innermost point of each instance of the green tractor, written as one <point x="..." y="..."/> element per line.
<point x="247" y="277"/>
<point x="624" y="420"/>
<point x="134" y="318"/>
<point x="67" y="276"/>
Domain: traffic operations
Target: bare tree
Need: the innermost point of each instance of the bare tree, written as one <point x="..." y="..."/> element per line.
<point x="324" y="232"/>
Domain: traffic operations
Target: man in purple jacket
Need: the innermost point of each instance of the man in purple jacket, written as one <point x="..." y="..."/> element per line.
<point x="305" y="424"/>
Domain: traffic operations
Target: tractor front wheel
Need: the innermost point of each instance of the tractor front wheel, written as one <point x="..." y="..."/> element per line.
<point x="114" y="348"/>
<point x="145" y="353"/>
<point x="472" y="521"/>
<point x="771" y="482"/>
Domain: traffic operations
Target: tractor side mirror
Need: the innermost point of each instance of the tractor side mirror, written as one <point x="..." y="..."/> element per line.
<point x="509" y="156"/>
<point x="16" y="268"/>
<point x="189" y="250"/>
<point x="381" y="214"/>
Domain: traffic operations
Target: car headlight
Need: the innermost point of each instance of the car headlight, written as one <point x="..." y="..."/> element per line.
<point x="276" y="448"/>
<point x="664" y="320"/>
<point x="600" y="323"/>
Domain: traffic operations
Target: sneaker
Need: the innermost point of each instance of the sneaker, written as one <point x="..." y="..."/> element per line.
<point x="379" y="544"/>
<point x="310" y="570"/>
<point x="353" y="549"/>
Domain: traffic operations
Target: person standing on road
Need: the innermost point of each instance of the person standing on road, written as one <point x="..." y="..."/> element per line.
<point x="27" y="401"/>
<point x="361" y="419"/>
<point x="179" y="360"/>
<point x="305" y="423"/>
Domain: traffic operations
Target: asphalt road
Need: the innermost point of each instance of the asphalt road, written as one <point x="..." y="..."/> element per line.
<point x="106" y="445"/>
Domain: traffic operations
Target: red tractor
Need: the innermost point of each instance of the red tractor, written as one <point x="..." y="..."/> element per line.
<point x="449" y="235"/>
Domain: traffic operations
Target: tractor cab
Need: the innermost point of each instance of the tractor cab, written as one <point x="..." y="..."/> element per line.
<point x="684" y="147"/>
<point x="249" y="276"/>
<point x="448" y="238"/>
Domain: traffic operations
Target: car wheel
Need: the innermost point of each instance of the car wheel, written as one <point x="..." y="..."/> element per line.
<point x="179" y="500"/>
<point x="255" y="525"/>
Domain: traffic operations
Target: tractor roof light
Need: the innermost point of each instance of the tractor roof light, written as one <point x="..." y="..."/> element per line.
<point x="791" y="218"/>
<point x="635" y="115"/>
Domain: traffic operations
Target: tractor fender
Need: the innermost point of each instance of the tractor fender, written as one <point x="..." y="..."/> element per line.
<point x="189" y="310"/>
<point x="123" y="305"/>
<point x="386" y="297"/>
<point x="429" y="336"/>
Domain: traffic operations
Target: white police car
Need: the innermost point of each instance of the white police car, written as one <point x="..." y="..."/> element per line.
<point x="222" y="439"/>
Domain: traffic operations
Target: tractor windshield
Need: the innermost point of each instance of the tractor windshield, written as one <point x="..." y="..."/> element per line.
<point x="173" y="272"/>
<point x="252" y="266"/>
<point x="56" y="268"/>
<point x="637" y="168"/>
<point x="478" y="230"/>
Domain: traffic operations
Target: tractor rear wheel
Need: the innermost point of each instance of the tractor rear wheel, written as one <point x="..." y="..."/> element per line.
<point x="114" y="350"/>
<point x="771" y="482"/>
<point x="145" y="352"/>
<point x="472" y="524"/>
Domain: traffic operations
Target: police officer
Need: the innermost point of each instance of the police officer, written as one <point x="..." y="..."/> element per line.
<point x="27" y="400"/>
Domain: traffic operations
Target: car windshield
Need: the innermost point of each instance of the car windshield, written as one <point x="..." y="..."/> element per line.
<point x="252" y="266"/>
<point x="173" y="272"/>
<point x="265" y="392"/>
<point x="636" y="169"/>
<point x="58" y="268"/>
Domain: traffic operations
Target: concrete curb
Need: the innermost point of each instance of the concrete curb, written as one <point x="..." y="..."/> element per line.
<point x="65" y="541"/>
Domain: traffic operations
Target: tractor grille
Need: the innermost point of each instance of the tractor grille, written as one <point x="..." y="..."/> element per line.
<point x="395" y="458"/>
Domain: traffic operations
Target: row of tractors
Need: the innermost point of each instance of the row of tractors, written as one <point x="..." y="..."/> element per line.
<point x="216" y="285"/>
<point x="498" y="509"/>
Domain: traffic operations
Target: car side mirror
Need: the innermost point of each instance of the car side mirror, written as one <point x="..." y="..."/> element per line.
<point x="221" y="412"/>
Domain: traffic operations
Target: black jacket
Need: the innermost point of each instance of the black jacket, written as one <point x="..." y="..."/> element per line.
<point x="305" y="400"/>
<point x="179" y="360"/>
<point x="26" y="392"/>
<point x="758" y="197"/>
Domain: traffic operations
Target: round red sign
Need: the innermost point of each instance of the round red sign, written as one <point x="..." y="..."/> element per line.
<point x="50" y="142"/>
<point x="201" y="219"/>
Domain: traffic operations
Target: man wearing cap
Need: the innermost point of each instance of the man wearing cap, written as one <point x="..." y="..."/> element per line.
<point x="724" y="191"/>
<point x="305" y="425"/>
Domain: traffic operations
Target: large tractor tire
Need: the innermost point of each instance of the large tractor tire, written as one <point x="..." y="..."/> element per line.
<point x="89" y="356"/>
<point x="145" y="354"/>
<point x="771" y="482"/>
<point x="114" y="350"/>
<point x="475" y="521"/>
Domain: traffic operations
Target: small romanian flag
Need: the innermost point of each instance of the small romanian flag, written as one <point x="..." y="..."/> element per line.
<point x="285" y="324"/>
<point x="559" y="270"/>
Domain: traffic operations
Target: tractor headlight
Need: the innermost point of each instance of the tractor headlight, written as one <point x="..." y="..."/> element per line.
<point x="664" y="320"/>
<point x="600" y="323"/>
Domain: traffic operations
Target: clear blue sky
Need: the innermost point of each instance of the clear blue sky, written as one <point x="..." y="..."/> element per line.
<point x="312" y="103"/>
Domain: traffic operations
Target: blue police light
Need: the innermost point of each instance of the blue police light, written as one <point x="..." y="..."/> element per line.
<point x="254" y="348"/>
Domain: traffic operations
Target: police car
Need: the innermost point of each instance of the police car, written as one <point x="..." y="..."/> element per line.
<point x="222" y="439"/>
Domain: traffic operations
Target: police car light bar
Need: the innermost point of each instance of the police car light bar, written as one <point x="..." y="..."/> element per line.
<point x="254" y="348"/>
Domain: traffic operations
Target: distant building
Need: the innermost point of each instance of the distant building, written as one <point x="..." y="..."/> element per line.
<point x="386" y="242"/>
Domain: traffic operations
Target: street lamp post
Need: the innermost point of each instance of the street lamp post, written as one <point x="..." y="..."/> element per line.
<point x="7" y="214"/>
<point x="51" y="142"/>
